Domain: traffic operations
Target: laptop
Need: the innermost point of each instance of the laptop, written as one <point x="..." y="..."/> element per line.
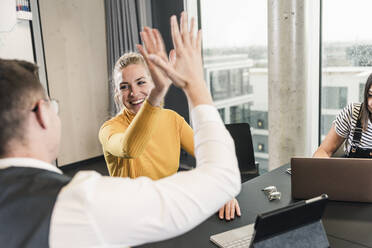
<point x="275" y="223"/>
<point x="342" y="179"/>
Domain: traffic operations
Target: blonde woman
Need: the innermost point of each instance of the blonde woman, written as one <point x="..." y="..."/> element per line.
<point x="145" y="139"/>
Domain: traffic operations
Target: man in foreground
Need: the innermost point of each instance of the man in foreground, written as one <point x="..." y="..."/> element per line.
<point x="40" y="207"/>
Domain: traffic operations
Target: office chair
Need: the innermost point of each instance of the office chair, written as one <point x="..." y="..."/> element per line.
<point x="241" y="134"/>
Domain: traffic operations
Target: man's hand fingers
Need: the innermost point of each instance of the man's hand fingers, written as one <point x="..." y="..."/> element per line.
<point x="172" y="57"/>
<point x="176" y="37"/>
<point x="198" y="41"/>
<point x="221" y="213"/>
<point x="227" y="211"/>
<point x="185" y="28"/>
<point x="237" y="207"/>
<point x="192" y="35"/>
<point x="232" y="209"/>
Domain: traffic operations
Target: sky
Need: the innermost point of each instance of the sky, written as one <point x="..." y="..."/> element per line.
<point x="237" y="23"/>
<point x="234" y="22"/>
<point x="347" y="20"/>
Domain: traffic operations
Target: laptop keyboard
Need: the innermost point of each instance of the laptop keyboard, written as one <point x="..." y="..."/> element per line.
<point x="235" y="238"/>
<point x="240" y="243"/>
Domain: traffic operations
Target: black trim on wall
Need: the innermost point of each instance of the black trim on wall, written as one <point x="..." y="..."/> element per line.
<point x="33" y="41"/>
<point x="161" y="13"/>
<point x="175" y="98"/>
<point x="42" y="44"/>
<point x="199" y="16"/>
<point x="320" y="74"/>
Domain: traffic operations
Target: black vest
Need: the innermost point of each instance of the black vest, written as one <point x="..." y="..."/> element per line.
<point x="27" y="198"/>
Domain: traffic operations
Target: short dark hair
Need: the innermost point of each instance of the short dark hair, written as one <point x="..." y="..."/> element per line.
<point x="20" y="88"/>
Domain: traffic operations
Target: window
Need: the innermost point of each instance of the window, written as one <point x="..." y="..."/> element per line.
<point x="334" y="97"/>
<point x="260" y="143"/>
<point x="221" y="111"/>
<point x="240" y="113"/>
<point x="235" y="64"/>
<point x="259" y="119"/>
<point x="220" y="84"/>
<point x="326" y="122"/>
<point x="361" y="91"/>
<point x="346" y="56"/>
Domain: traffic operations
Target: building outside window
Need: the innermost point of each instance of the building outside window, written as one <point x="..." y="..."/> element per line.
<point x="346" y="56"/>
<point x="221" y="111"/>
<point x="334" y="97"/>
<point x="361" y="91"/>
<point x="240" y="113"/>
<point x="235" y="65"/>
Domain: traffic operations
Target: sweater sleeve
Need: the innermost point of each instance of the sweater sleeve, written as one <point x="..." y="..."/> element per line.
<point x="131" y="142"/>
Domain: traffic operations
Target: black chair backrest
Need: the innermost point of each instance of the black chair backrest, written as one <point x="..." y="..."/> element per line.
<point x="241" y="134"/>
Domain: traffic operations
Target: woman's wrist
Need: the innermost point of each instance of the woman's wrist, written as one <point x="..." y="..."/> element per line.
<point x="156" y="96"/>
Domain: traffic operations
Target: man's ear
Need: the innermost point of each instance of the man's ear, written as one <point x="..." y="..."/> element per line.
<point x="41" y="113"/>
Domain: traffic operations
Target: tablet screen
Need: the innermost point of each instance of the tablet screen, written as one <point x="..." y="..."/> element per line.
<point x="290" y="217"/>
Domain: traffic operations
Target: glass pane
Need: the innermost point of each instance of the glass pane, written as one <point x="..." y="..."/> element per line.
<point x="259" y="120"/>
<point x="220" y="84"/>
<point x="240" y="113"/>
<point x="221" y="111"/>
<point x="235" y="62"/>
<point x="326" y="122"/>
<point x="346" y="56"/>
<point x="334" y="97"/>
<point x="260" y="143"/>
<point x="361" y="91"/>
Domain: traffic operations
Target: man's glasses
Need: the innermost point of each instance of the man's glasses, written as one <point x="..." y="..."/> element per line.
<point x="53" y="102"/>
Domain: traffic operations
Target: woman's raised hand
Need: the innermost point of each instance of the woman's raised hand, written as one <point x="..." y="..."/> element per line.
<point x="185" y="66"/>
<point x="154" y="44"/>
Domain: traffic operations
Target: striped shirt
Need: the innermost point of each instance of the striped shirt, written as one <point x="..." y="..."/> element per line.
<point x="345" y="125"/>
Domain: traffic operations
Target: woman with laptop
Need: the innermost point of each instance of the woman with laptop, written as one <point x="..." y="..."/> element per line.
<point x="144" y="139"/>
<point x="354" y="126"/>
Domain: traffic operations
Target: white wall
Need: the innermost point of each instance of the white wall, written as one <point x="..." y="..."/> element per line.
<point x="15" y="34"/>
<point x="75" y="53"/>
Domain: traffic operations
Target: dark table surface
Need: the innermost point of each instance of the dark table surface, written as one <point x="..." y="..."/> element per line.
<point x="347" y="224"/>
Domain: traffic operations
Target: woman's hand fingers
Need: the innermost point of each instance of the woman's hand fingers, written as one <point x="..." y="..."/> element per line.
<point x="168" y="69"/>
<point x="147" y="41"/>
<point x="143" y="52"/>
<point x="172" y="57"/>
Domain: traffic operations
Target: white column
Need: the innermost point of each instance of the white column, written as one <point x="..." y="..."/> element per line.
<point x="287" y="80"/>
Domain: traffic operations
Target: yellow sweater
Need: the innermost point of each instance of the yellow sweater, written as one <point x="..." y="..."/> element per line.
<point x="146" y="144"/>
